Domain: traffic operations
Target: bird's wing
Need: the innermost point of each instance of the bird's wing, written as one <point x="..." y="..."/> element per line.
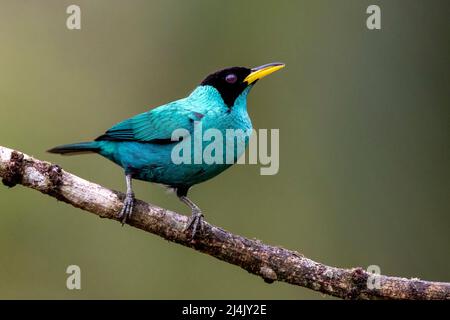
<point x="156" y="125"/>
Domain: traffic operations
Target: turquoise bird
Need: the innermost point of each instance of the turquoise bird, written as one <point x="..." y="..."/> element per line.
<point x="143" y="145"/>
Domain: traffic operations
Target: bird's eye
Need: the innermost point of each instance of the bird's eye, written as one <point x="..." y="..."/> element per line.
<point x="231" y="78"/>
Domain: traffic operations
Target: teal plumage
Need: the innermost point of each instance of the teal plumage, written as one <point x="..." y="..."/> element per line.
<point x="142" y="144"/>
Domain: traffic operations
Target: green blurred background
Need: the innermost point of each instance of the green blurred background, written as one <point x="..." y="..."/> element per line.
<point x="364" y="139"/>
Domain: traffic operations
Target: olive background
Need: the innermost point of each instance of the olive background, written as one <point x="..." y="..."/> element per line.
<point x="363" y="115"/>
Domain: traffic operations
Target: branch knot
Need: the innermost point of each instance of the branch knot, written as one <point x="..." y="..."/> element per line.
<point x="14" y="170"/>
<point x="268" y="274"/>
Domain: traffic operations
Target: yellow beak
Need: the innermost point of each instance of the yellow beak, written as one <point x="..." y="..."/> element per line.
<point x="262" y="71"/>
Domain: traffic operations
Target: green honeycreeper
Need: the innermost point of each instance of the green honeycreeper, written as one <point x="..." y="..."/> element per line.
<point x="142" y="145"/>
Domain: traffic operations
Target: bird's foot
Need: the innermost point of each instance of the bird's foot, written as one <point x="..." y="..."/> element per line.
<point x="195" y="223"/>
<point x="127" y="208"/>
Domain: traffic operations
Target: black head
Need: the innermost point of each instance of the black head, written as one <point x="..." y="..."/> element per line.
<point x="229" y="82"/>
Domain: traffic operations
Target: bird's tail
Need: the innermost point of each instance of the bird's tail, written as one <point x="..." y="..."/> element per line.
<point x="76" y="148"/>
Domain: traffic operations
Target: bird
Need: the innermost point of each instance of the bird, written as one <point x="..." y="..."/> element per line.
<point x="143" y="145"/>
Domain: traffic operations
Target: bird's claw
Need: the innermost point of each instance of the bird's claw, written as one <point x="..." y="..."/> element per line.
<point x="195" y="223"/>
<point x="127" y="208"/>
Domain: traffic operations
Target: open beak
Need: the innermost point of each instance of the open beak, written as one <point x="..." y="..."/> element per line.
<point x="262" y="71"/>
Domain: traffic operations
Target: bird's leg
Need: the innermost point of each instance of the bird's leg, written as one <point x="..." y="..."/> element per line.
<point x="128" y="203"/>
<point x="196" y="219"/>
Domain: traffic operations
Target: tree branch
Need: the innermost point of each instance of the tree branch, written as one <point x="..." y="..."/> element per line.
<point x="269" y="262"/>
